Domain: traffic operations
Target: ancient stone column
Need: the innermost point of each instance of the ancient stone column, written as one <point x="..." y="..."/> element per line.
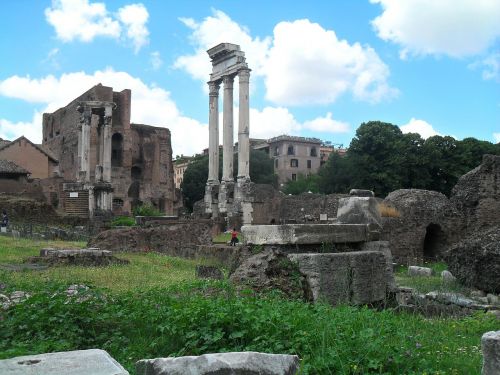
<point x="84" y="145"/>
<point x="106" y="144"/>
<point x="213" y="133"/>
<point x="244" y="127"/>
<point x="227" y="157"/>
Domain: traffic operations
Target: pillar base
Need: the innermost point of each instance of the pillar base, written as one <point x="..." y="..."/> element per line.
<point x="226" y="197"/>
<point x="212" y="198"/>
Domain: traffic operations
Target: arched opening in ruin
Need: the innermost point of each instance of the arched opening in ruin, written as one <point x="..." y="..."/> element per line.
<point x="116" y="150"/>
<point x="135" y="173"/>
<point x="434" y="242"/>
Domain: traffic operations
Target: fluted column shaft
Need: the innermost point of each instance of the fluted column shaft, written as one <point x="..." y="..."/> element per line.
<point x="84" y="145"/>
<point x="213" y="133"/>
<point x="106" y="144"/>
<point x="228" y="145"/>
<point x="244" y="126"/>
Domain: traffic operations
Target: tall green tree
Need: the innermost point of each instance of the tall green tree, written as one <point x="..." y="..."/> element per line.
<point x="303" y="184"/>
<point x="375" y="154"/>
<point x="196" y="175"/>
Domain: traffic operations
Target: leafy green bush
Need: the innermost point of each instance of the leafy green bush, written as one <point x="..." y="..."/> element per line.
<point x="123" y="221"/>
<point x="147" y="210"/>
<point x="207" y="317"/>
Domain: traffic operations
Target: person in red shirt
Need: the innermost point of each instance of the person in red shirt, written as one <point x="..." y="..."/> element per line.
<point x="234" y="238"/>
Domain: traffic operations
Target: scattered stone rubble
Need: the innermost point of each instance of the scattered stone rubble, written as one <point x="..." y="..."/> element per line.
<point x="19" y="296"/>
<point x="76" y="257"/>
<point x="438" y="303"/>
<point x="14" y="298"/>
<point x="271" y="269"/>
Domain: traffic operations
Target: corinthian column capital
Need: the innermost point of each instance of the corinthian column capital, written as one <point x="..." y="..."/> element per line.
<point x="213" y="87"/>
<point x="228" y="82"/>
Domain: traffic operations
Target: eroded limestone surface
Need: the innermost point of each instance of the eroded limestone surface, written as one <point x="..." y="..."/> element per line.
<point x="78" y="362"/>
<point x="307" y="234"/>
<point x="236" y="363"/>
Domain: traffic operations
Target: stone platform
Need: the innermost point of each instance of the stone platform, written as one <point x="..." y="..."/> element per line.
<point x="309" y="234"/>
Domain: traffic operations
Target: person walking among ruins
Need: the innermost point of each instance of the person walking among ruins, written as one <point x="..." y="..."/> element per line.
<point x="5" y="221"/>
<point x="234" y="237"/>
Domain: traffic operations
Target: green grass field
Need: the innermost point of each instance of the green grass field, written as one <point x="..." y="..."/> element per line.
<point x="154" y="307"/>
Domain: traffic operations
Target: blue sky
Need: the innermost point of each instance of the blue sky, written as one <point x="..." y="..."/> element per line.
<point x="319" y="68"/>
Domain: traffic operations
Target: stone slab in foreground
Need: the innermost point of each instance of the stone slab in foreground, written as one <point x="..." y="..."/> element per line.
<point x="78" y="362"/>
<point x="308" y="234"/>
<point x="236" y="363"/>
<point x="490" y="345"/>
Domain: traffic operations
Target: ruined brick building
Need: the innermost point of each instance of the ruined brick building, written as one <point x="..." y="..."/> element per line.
<point x="105" y="162"/>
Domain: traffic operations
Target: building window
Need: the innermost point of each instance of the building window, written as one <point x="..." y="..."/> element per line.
<point x="116" y="150"/>
<point x="313" y="151"/>
<point x="309" y="164"/>
<point x="294" y="177"/>
<point x="275" y="163"/>
<point x="294" y="163"/>
<point x="291" y="151"/>
<point x="276" y="151"/>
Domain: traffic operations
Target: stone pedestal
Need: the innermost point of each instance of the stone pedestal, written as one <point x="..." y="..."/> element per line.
<point x="226" y="197"/>
<point x="490" y="345"/>
<point x="212" y="199"/>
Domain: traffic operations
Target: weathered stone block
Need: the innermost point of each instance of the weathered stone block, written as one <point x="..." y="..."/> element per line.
<point x="236" y="363"/>
<point x="447" y="277"/>
<point x="307" y="234"/>
<point x="351" y="277"/>
<point x="359" y="210"/>
<point x="490" y="345"/>
<point x="384" y="248"/>
<point x="78" y="362"/>
<point x="419" y="271"/>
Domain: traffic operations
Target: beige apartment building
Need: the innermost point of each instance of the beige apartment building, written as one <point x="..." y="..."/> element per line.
<point x="180" y="166"/>
<point x="293" y="156"/>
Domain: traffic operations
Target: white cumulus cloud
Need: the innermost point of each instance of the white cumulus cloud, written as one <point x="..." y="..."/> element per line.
<point x="327" y="125"/>
<point x="308" y="64"/>
<point x="302" y="63"/>
<point x="419" y="126"/>
<point x="496" y="137"/>
<point x="456" y="28"/>
<point x="84" y="21"/>
<point x="155" y="60"/>
<point x="135" y="17"/>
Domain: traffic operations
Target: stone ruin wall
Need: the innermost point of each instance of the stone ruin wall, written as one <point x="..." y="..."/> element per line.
<point x="146" y="149"/>
<point x="430" y="222"/>
<point x="271" y="206"/>
<point x="477" y="196"/>
<point x="152" y="154"/>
